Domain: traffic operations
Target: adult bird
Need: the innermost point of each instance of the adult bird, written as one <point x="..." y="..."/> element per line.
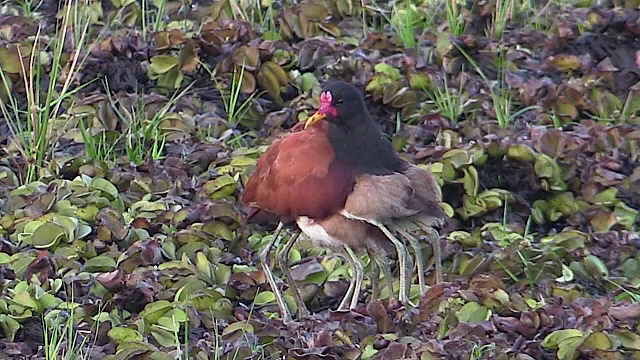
<point x="343" y="184"/>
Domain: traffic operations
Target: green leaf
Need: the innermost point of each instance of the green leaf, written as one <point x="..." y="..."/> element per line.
<point x="161" y="64"/>
<point x="10" y="60"/>
<point x="629" y="339"/>
<point x="625" y="215"/>
<point x="47" y="235"/>
<point x="521" y="153"/>
<point x="606" y="196"/>
<point x="377" y="84"/>
<point x="171" y="79"/>
<point x="104" y="186"/>
<point x="470" y="180"/>
<point x="189" y="288"/>
<point x="597" y="340"/>
<point x="567" y="274"/>
<point x="419" y="81"/>
<point x="544" y="166"/>
<point x="25" y="300"/>
<point x="458" y="157"/>
<point x="388" y="70"/>
<point x="4" y="258"/>
<point x="49" y="301"/>
<point x="595" y="266"/>
<point x="9" y="326"/>
<point x="566" y="341"/>
<point x="87" y="213"/>
<point x="205" y="302"/>
<point x="169" y="323"/>
<point x="242" y="326"/>
<point x="472" y="312"/>
<point x="220" y="187"/>
<point x="243" y="161"/>
<point x="121" y="335"/>
<point x="602" y="221"/>
<point x="100" y="263"/>
<point x="155" y="310"/>
<point x="203" y="265"/>
<point x="164" y="337"/>
<point x="264" y="298"/>
<point x="308" y="81"/>
<point x="69" y="224"/>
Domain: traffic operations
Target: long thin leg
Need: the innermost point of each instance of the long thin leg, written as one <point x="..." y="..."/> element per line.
<point x="352" y="283"/>
<point x="359" y="274"/>
<point x="264" y="263"/>
<point x="380" y="260"/>
<point x="374" y="276"/>
<point x="417" y="249"/>
<point x="405" y="267"/>
<point x="434" y="239"/>
<point x="283" y="263"/>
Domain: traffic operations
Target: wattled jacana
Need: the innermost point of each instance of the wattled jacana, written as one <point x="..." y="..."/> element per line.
<point x="342" y="182"/>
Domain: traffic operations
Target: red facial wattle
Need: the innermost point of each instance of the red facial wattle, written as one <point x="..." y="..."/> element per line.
<point x="326" y="107"/>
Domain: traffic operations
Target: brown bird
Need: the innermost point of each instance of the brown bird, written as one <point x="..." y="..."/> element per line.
<point x="342" y="182"/>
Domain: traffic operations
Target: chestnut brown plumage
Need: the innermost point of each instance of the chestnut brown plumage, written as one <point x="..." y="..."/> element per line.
<point x="342" y="182"/>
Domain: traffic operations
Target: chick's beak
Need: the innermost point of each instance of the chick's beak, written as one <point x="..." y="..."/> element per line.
<point x="317" y="116"/>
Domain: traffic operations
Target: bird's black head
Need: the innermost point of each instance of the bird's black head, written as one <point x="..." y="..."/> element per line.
<point x="356" y="139"/>
<point x="340" y="103"/>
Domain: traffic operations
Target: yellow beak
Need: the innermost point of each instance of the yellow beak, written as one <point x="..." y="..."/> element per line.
<point x="317" y="116"/>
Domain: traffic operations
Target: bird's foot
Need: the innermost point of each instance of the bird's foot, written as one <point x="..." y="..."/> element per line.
<point x="303" y="312"/>
<point x="285" y="315"/>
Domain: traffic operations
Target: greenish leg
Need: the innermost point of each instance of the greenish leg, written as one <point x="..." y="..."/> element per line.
<point x="283" y="262"/>
<point x="434" y="238"/>
<point x="264" y="263"/>
<point x="405" y="263"/>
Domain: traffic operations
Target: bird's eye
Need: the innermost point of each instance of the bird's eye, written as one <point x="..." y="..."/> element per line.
<point x="339" y="101"/>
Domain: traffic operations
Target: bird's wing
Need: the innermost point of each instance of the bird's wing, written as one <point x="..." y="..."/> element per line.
<point x="385" y="197"/>
<point x="298" y="176"/>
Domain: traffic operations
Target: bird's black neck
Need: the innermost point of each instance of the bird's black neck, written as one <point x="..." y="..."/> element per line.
<point x="365" y="148"/>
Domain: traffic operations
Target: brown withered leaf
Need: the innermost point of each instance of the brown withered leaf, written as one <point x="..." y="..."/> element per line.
<point x="18" y="349"/>
<point x="112" y="220"/>
<point x="395" y="351"/>
<point x="551" y="143"/>
<point x="16" y="28"/>
<point x="529" y="324"/>
<point x="625" y="311"/>
<point x="168" y="39"/>
<point x="188" y="60"/>
<point x="41" y="266"/>
<point x="305" y="268"/>
<point x="606" y="65"/>
<point x="378" y="311"/>
<point x="247" y="56"/>
<point x="565" y="109"/>
<point x="113" y="280"/>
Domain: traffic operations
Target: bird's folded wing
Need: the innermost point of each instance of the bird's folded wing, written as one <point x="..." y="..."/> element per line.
<point x="386" y="197"/>
<point x="298" y="176"/>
